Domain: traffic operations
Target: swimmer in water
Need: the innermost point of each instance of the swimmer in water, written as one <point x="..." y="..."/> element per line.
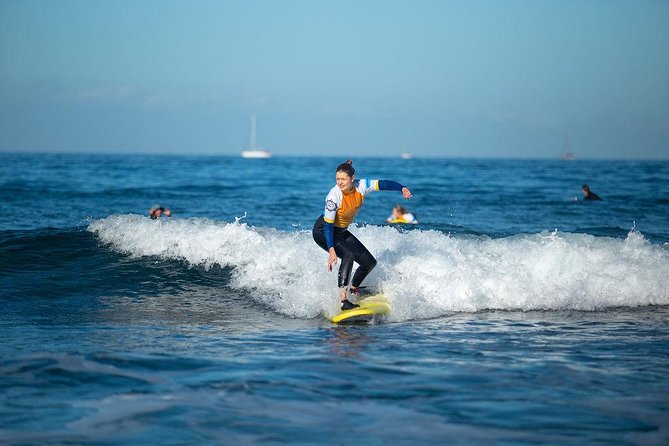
<point x="588" y="195"/>
<point x="401" y="215"/>
<point x="157" y="210"/>
<point x="331" y="233"/>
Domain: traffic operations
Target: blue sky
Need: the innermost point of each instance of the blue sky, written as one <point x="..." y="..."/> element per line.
<point x="437" y="78"/>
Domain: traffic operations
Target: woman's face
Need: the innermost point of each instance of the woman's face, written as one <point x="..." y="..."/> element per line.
<point x="344" y="182"/>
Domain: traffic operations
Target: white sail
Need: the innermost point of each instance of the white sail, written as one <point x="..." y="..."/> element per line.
<point x="252" y="151"/>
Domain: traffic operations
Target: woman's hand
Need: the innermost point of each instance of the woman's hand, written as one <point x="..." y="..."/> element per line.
<point x="333" y="258"/>
<point x="406" y="192"/>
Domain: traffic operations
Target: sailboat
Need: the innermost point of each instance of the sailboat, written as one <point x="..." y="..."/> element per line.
<point x="567" y="154"/>
<point x="252" y="151"/>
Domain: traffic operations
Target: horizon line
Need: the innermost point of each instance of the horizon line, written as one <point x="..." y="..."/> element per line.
<point x="318" y="155"/>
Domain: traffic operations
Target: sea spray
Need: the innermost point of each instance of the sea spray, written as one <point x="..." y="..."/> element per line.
<point x="425" y="274"/>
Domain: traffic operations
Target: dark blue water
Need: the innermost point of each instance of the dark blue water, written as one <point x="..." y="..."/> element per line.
<point x="520" y="315"/>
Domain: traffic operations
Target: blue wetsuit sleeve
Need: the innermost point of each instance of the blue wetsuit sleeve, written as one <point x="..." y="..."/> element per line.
<point x="328" y="231"/>
<point x="390" y="185"/>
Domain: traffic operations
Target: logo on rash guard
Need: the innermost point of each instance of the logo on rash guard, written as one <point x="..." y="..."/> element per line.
<point x="330" y="205"/>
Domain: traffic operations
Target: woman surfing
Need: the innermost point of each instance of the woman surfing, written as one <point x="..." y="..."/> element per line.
<point x="331" y="229"/>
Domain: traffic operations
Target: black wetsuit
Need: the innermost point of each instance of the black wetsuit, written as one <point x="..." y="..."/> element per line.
<point x="592" y="197"/>
<point x="349" y="249"/>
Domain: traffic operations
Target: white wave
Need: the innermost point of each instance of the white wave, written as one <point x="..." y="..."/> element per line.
<point x="425" y="274"/>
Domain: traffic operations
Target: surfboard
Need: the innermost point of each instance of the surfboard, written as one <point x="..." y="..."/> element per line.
<point x="402" y="221"/>
<point x="371" y="308"/>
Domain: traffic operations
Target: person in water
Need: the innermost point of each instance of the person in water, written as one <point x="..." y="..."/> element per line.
<point x="589" y="195"/>
<point x="157" y="210"/>
<point x="331" y="233"/>
<point x="401" y="215"/>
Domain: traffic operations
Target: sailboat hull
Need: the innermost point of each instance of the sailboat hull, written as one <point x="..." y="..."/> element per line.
<point x="256" y="154"/>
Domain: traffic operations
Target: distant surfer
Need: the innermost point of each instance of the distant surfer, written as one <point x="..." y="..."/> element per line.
<point x="331" y="229"/>
<point x="157" y="210"/>
<point x="589" y="195"/>
<point x="401" y="215"/>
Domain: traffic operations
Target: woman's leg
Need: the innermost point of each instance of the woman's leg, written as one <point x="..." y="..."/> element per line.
<point x="349" y="249"/>
<point x="347" y="257"/>
<point x="318" y="234"/>
<point x="343" y="252"/>
<point x="362" y="257"/>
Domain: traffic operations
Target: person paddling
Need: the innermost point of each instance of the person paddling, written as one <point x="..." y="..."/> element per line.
<point x="331" y="233"/>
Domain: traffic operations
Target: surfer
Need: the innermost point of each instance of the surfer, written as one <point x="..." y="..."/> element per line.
<point x="589" y="195"/>
<point x="330" y="230"/>
<point x="401" y="215"/>
<point x="157" y="210"/>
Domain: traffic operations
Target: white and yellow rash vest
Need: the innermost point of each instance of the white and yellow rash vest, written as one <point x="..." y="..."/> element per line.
<point x="341" y="207"/>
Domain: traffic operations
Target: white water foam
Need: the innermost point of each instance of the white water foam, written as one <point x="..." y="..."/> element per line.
<point x="425" y="274"/>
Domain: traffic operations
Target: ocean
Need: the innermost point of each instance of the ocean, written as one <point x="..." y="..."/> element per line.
<point x="521" y="314"/>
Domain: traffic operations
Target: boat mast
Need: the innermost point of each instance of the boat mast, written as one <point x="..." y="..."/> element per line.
<point x="253" y="132"/>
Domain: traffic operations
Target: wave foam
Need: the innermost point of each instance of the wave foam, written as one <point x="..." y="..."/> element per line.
<point x="425" y="274"/>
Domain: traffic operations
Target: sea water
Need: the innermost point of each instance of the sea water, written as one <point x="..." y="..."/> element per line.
<point x="521" y="314"/>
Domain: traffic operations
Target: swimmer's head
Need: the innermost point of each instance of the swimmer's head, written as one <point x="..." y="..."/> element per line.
<point x="158" y="210"/>
<point x="401" y="209"/>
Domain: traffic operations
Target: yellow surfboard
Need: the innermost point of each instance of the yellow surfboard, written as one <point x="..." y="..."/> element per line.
<point x="371" y="308"/>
